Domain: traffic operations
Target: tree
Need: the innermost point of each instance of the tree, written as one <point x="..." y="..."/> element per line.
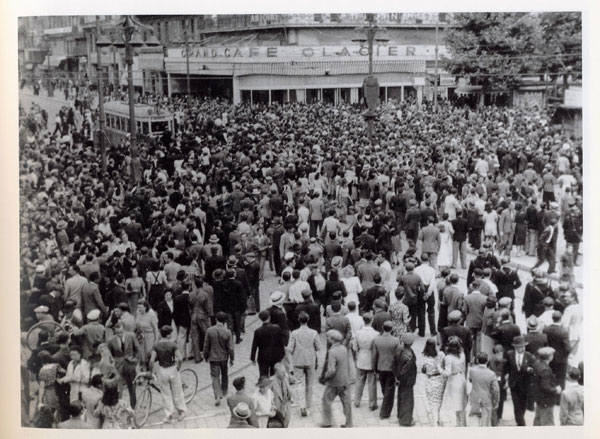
<point x="561" y="33"/>
<point x="495" y="50"/>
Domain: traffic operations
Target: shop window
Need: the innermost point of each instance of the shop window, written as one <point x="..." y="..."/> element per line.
<point x="329" y="95"/>
<point x="394" y="93"/>
<point x="312" y="95"/>
<point x="279" y="96"/>
<point x="293" y="97"/>
<point x="246" y="96"/>
<point x="345" y="95"/>
<point x="260" y="96"/>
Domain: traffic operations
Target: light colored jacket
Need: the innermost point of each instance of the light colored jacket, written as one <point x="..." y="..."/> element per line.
<point x="485" y="391"/>
<point x="362" y="345"/>
<point x="303" y="346"/>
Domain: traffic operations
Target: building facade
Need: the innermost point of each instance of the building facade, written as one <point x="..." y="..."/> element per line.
<point x="293" y="57"/>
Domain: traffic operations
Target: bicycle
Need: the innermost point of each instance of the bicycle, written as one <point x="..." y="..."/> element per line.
<point x="49" y="326"/>
<point x="189" y="381"/>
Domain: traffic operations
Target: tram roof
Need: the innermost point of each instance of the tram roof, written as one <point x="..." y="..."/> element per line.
<point x="142" y="111"/>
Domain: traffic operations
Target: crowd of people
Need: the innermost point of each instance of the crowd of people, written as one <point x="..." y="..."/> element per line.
<point x="160" y="258"/>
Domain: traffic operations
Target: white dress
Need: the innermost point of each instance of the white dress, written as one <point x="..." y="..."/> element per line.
<point x="353" y="289"/>
<point x="444" y="257"/>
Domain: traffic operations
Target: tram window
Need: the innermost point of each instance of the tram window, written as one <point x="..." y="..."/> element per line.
<point x="160" y="126"/>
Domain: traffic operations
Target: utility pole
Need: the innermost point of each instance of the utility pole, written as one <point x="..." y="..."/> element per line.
<point x="186" y="36"/>
<point x="435" y="66"/>
<point x="101" y="121"/>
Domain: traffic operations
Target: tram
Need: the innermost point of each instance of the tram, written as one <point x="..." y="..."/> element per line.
<point x="151" y="122"/>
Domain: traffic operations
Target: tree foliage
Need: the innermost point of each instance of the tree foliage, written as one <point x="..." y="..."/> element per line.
<point x="562" y="42"/>
<point x="495" y="50"/>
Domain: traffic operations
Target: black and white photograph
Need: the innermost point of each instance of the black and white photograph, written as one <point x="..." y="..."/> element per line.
<point x="302" y="220"/>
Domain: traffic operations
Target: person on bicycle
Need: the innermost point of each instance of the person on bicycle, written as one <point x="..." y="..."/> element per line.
<point x="169" y="360"/>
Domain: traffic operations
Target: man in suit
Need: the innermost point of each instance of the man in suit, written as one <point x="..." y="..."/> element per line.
<point x="303" y="347"/>
<point x="90" y="296"/>
<point x="404" y="368"/>
<point x="519" y="368"/>
<point x="459" y="239"/>
<point x="507" y="281"/>
<point x="384" y="349"/>
<point x="362" y="346"/>
<point x="126" y="351"/>
<point x="505" y="331"/>
<point x="430" y="241"/>
<point x="268" y="341"/>
<point x="547" y="246"/>
<point x="240" y="396"/>
<point x="412" y="221"/>
<point x="339" y="322"/>
<point x="558" y="339"/>
<point x="473" y="309"/>
<point x="201" y="310"/>
<point x="218" y="348"/>
<point x="415" y="291"/>
<point x="277" y="314"/>
<point x="534" y="337"/>
<point x="310" y="308"/>
<point x="234" y="302"/>
<point x="182" y="318"/>
<point x="76" y="421"/>
<point x="456" y="329"/>
<point x="545" y="388"/>
<point x="485" y="393"/>
<point x="337" y="379"/>
<point x="93" y="333"/>
<point x="506" y="228"/>
<point x="380" y="315"/>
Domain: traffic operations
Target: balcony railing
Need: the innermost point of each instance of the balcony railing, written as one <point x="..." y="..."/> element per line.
<point x="240" y="22"/>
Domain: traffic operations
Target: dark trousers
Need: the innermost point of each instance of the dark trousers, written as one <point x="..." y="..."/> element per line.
<point x="543" y="416"/>
<point x="497" y="414"/>
<point x="443" y="316"/>
<point x="475" y="238"/>
<point x="413" y="311"/>
<point x="546" y="253"/>
<point x="388" y="388"/>
<point x="519" y="398"/>
<point x="128" y="372"/>
<point x="315" y="226"/>
<point x="266" y="369"/>
<point x="219" y="377"/>
<point x="234" y="324"/>
<point x="277" y="262"/>
<point x="406" y="405"/>
<point x="560" y="372"/>
<point x="431" y="314"/>
<point x="421" y="307"/>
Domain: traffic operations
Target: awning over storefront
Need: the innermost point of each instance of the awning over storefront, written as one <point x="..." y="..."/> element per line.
<point x="320" y="68"/>
<point x="55" y="61"/>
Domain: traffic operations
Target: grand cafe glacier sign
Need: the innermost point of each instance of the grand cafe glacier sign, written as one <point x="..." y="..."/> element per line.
<point x="307" y="52"/>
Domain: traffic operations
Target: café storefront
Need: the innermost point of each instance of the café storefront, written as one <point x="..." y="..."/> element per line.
<point x="308" y="74"/>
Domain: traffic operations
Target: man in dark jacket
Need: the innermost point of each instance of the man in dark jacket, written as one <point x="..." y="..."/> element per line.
<point x="234" y="302"/>
<point x="384" y="350"/>
<point x="545" y="388"/>
<point x="505" y="331"/>
<point x="459" y="239"/>
<point x="404" y="368"/>
<point x="268" y="341"/>
<point x="182" y="317"/>
<point x="415" y="290"/>
<point x="519" y="368"/>
<point x="558" y="339"/>
<point x="507" y="280"/>
<point x="278" y="316"/>
<point x="310" y="308"/>
<point x="534" y="336"/>
<point x="535" y="293"/>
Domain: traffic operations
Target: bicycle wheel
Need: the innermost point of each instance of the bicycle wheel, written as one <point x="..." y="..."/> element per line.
<point x="32" y="335"/>
<point x="189" y="382"/>
<point x="142" y="407"/>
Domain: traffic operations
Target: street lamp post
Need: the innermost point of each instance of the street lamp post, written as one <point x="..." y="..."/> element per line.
<point x="187" y="65"/>
<point x="370" y="85"/>
<point x="102" y="118"/>
<point x="49" y="86"/>
<point x="130" y="40"/>
<point x="435" y="66"/>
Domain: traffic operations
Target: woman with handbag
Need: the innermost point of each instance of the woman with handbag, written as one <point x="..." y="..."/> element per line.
<point x="433" y="368"/>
